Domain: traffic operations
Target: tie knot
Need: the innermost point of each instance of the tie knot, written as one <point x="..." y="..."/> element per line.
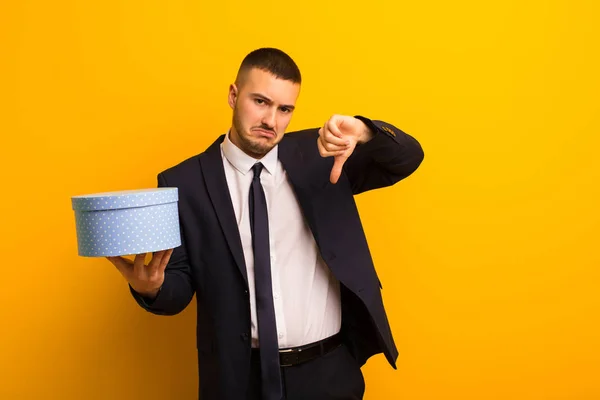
<point x="257" y="168"/>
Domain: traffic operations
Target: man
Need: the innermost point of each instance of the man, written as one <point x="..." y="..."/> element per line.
<point x="289" y="303"/>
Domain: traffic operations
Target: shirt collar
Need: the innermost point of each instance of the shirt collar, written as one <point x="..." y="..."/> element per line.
<point x="243" y="162"/>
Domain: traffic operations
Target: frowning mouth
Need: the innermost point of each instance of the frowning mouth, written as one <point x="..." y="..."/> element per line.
<point x="265" y="133"/>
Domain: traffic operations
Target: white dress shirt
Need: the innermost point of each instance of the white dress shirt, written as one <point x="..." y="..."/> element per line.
<point x="306" y="295"/>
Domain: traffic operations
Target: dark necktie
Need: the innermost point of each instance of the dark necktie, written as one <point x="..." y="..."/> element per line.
<point x="265" y="310"/>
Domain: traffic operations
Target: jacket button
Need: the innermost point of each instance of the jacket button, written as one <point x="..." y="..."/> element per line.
<point x="244" y="337"/>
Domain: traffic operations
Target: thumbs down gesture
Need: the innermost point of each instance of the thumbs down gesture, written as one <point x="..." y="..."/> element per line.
<point x="338" y="138"/>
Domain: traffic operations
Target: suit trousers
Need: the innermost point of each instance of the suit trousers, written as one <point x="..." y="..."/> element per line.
<point x="335" y="375"/>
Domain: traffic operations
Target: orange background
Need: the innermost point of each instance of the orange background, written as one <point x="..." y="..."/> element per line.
<point x="485" y="253"/>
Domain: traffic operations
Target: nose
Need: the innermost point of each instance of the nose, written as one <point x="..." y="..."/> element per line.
<point x="269" y="117"/>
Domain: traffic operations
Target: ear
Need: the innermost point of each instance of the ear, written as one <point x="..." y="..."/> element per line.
<point x="233" y="93"/>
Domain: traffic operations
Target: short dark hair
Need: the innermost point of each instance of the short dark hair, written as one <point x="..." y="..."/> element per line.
<point x="274" y="61"/>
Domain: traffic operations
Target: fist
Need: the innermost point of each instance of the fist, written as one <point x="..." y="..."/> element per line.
<point x="338" y="138"/>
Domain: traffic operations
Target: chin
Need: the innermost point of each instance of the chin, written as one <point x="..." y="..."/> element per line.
<point x="264" y="149"/>
<point x="256" y="146"/>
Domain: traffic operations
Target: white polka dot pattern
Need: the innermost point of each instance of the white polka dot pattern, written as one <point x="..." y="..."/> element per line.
<point x="124" y="199"/>
<point x="127" y="222"/>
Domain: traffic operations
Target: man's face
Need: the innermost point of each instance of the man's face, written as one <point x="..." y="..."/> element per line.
<point x="262" y="109"/>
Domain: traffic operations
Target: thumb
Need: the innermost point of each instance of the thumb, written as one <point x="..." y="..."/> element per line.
<point x="336" y="171"/>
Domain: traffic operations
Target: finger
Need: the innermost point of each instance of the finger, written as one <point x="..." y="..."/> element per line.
<point x="139" y="263"/>
<point x="332" y="142"/>
<point x="123" y="265"/>
<point x="333" y="128"/>
<point x="165" y="260"/>
<point x="336" y="171"/>
<point x="156" y="260"/>
<point x="333" y="138"/>
<point x="158" y="256"/>
<point x="334" y="147"/>
<point x="326" y="153"/>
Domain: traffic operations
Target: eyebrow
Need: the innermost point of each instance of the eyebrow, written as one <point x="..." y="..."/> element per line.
<point x="265" y="98"/>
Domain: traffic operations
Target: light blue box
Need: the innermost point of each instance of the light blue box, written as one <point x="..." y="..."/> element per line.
<point x="126" y="222"/>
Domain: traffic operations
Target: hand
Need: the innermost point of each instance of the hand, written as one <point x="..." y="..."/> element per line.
<point x="338" y="138"/>
<point x="144" y="279"/>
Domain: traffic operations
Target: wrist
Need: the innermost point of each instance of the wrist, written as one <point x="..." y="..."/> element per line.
<point x="151" y="294"/>
<point x="365" y="134"/>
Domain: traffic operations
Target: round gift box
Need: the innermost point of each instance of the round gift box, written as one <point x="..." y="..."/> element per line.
<point x="126" y="222"/>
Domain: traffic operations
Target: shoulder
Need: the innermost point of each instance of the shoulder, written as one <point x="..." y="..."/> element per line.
<point x="305" y="139"/>
<point x="190" y="168"/>
<point x="303" y="136"/>
<point x="301" y="147"/>
<point x="184" y="168"/>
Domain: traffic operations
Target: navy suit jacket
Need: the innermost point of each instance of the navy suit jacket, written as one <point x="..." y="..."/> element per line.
<point x="210" y="261"/>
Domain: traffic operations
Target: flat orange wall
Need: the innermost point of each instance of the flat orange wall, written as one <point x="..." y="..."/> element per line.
<point x="488" y="253"/>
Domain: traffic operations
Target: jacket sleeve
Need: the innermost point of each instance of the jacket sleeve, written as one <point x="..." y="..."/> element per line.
<point x="390" y="156"/>
<point x="177" y="289"/>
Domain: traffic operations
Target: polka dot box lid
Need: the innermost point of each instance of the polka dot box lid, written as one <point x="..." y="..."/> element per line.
<point x="126" y="222"/>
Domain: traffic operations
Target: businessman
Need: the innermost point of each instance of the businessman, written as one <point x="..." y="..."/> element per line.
<point x="289" y="302"/>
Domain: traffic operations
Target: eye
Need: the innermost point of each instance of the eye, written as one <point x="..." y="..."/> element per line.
<point x="285" y="110"/>
<point x="259" y="101"/>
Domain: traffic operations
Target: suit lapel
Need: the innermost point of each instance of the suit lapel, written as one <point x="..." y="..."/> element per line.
<point x="218" y="191"/>
<point x="292" y="159"/>
<point x="304" y="178"/>
<point x="309" y="176"/>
